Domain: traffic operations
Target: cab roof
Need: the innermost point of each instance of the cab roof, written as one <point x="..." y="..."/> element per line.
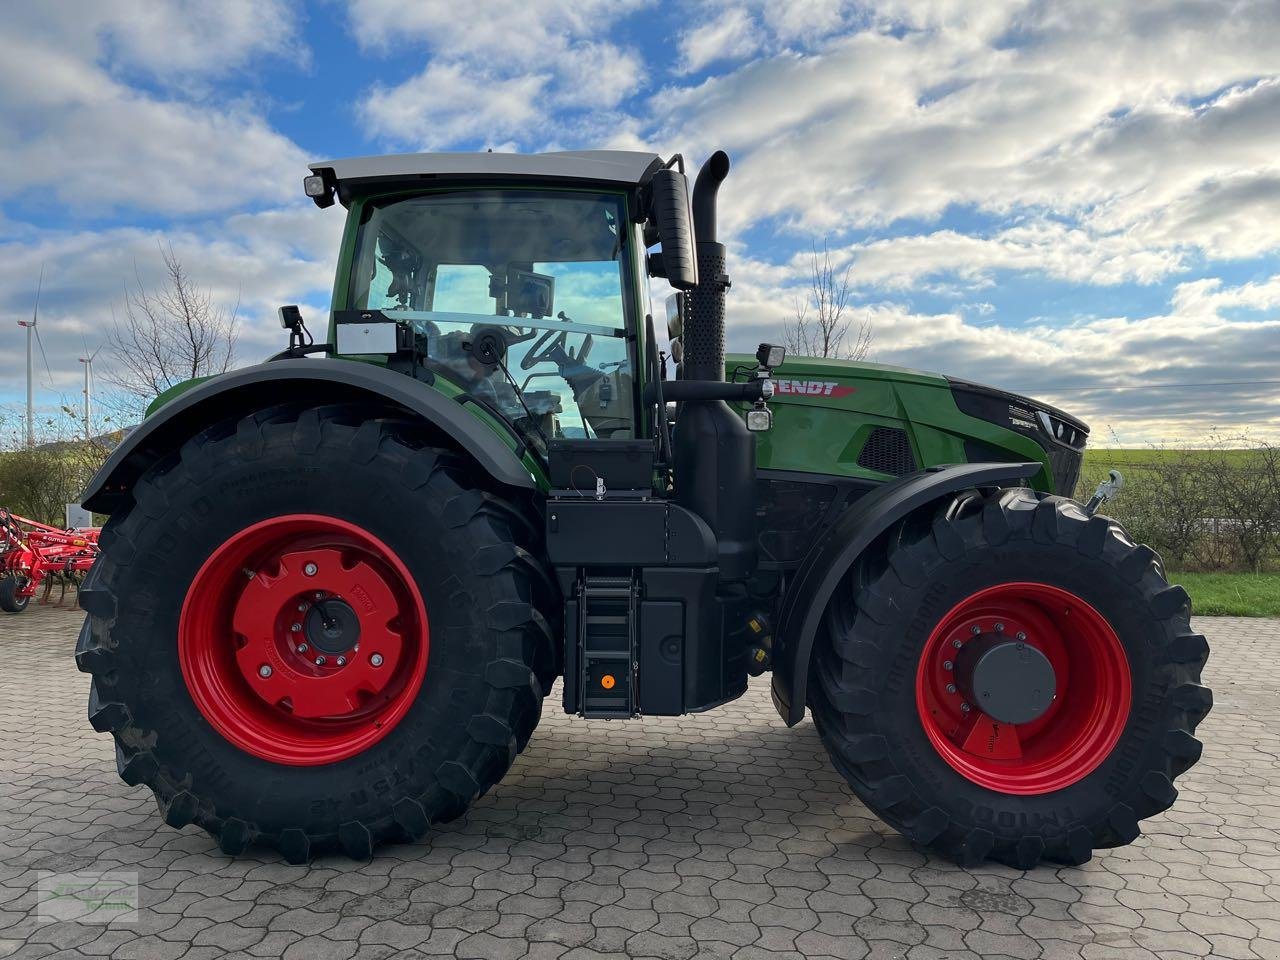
<point x="358" y="175"/>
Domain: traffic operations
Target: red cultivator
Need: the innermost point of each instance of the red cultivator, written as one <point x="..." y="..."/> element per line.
<point x="33" y="553"/>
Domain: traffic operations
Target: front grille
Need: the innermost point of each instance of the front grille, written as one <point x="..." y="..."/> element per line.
<point x="1065" y="465"/>
<point x="1061" y="436"/>
<point x="888" y="450"/>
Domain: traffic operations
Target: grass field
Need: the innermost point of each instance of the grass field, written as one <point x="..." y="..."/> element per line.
<point x="1232" y="594"/>
<point x="1101" y="458"/>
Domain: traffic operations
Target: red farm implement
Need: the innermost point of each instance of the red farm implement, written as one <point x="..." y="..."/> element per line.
<point x="33" y="553"/>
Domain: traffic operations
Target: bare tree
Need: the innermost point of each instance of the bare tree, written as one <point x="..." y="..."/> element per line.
<point x="169" y="335"/>
<point x="820" y="325"/>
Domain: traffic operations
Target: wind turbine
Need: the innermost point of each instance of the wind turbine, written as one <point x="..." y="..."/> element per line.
<point x="88" y="390"/>
<point x="31" y="329"/>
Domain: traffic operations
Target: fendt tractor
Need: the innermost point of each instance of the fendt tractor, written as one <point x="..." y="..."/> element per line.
<point x="336" y="587"/>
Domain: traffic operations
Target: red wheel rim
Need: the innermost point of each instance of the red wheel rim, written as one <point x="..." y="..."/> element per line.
<point x="303" y="639"/>
<point x="1078" y="729"/>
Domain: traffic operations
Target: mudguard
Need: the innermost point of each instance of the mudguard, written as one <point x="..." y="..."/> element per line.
<point x="308" y="381"/>
<point x="831" y="556"/>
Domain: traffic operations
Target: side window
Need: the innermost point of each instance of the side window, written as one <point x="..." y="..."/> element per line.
<point x="379" y="283"/>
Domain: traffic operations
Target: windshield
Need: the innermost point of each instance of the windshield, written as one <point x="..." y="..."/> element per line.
<point x="535" y="276"/>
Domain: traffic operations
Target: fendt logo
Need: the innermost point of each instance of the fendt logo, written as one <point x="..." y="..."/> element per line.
<point x="812" y="388"/>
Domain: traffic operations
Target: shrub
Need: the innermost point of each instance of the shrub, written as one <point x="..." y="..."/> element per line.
<point x="1215" y="507"/>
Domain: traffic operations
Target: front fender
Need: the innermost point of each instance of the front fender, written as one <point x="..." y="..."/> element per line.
<point x="307" y="381"/>
<point x="834" y="553"/>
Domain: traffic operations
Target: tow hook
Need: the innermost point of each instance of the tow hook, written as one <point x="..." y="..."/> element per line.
<point x="1106" y="491"/>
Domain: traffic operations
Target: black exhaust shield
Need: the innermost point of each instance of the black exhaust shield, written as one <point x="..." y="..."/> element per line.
<point x="715" y="454"/>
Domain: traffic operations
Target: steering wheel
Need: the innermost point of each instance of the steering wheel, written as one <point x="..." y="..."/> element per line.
<point x="550" y="347"/>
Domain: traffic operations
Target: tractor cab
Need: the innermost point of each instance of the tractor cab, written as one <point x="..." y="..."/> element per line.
<point x="518" y="284"/>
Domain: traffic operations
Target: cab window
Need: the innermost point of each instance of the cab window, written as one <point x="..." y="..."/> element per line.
<point x="539" y="272"/>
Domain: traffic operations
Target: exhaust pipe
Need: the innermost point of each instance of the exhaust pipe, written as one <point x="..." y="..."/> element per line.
<point x="703" y="338"/>
<point x="715" y="455"/>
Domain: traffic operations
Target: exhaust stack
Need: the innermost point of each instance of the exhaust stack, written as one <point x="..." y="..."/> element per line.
<point x="715" y="455"/>
<point x="704" y="326"/>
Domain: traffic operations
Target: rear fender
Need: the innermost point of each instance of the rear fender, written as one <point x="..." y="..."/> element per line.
<point x="317" y="382"/>
<point x="834" y="553"/>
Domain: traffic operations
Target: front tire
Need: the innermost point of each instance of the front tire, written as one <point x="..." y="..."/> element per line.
<point x="428" y="654"/>
<point x="11" y="601"/>
<point x="1097" y="715"/>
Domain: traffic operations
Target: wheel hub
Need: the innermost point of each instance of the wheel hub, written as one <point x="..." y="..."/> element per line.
<point x="1009" y="680"/>
<point x="1023" y="688"/>
<point x="331" y="626"/>
<point x="303" y="639"/>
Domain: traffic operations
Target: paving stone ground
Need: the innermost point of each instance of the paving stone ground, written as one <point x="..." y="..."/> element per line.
<point x="722" y="835"/>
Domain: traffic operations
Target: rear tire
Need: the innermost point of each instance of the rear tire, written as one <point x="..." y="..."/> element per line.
<point x="10" y="601"/>
<point x="880" y="718"/>
<point x="450" y="734"/>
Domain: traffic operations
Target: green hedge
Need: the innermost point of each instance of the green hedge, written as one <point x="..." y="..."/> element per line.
<point x="1212" y="508"/>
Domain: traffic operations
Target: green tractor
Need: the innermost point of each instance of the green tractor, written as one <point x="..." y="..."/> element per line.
<point x="336" y="587"/>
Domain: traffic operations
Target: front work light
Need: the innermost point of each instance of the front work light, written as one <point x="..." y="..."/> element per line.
<point x="759" y="419"/>
<point x="770" y="355"/>
<point x="318" y="190"/>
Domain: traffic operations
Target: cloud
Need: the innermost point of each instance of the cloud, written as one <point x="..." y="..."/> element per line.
<point x="522" y="72"/>
<point x="730" y="37"/>
<point x="1116" y="114"/>
<point x="1126" y="151"/>
<point x="72" y="133"/>
<point x="169" y="40"/>
<point x="445" y="104"/>
<point x="192" y="37"/>
<point x="1115" y="372"/>
<point x="256" y="260"/>
<point x="1039" y="247"/>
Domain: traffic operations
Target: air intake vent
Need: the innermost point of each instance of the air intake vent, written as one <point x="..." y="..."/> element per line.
<point x="888" y="450"/>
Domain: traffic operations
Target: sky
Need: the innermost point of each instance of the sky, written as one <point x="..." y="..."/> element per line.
<point x="1076" y="200"/>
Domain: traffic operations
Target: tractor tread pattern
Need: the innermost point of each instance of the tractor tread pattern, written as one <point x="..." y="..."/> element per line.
<point x="518" y="678"/>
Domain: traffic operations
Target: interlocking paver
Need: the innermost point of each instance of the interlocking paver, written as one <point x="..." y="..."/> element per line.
<point x="718" y="836"/>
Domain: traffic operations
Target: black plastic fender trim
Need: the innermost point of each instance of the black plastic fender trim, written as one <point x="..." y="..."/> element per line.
<point x="280" y="381"/>
<point x="835" y="551"/>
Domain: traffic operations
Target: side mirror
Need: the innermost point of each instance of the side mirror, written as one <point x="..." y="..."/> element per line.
<point x="673" y="217"/>
<point x="675" y="316"/>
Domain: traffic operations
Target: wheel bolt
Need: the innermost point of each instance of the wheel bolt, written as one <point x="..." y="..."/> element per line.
<point x="948" y="665"/>
<point x="975" y="630"/>
<point x="319" y="661"/>
<point x="302" y="608"/>
<point x="1021" y="637"/>
<point x="964" y="708"/>
<point x="341" y="661"/>
<point x="302" y="648"/>
<point x="957" y="643"/>
<point x="999" y="628"/>
<point x="296" y="628"/>
<point x="376" y="659"/>
<point x="951" y="688"/>
<point x="310" y="569"/>
<point x="264" y="671"/>
<point x="319" y="595"/>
